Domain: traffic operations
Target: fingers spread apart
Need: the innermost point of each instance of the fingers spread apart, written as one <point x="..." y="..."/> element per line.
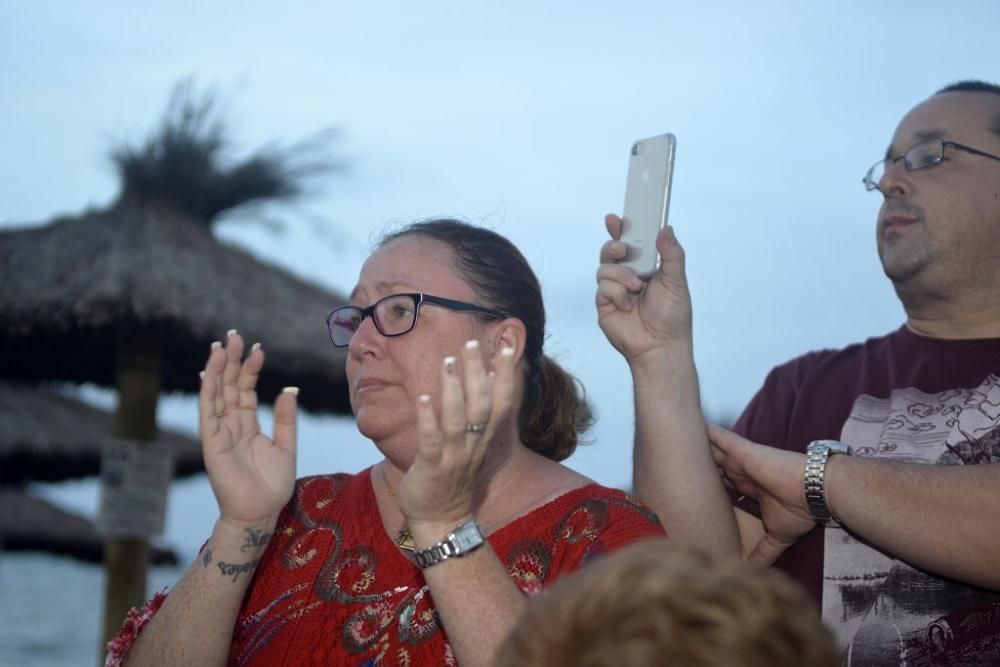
<point x="228" y="383"/>
<point x="474" y="403"/>
<point x="478" y="392"/>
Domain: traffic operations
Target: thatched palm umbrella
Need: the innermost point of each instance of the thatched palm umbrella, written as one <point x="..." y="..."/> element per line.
<point x="29" y="523"/>
<point x="131" y="296"/>
<point x="48" y="437"/>
<point x="77" y="290"/>
<point x="149" y="269"/>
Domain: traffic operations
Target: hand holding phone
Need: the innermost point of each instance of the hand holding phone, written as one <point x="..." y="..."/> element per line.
<point x="647" y="200"/>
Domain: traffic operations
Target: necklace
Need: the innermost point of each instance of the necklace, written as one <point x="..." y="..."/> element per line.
<point x="404" y="540"/>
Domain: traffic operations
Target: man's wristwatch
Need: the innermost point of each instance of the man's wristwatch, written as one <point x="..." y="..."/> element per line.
<point x="464" y="539"/>
<point x="817" y="454"/>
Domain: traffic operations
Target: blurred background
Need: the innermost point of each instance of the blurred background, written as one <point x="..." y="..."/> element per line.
<point x="517" y="116"/>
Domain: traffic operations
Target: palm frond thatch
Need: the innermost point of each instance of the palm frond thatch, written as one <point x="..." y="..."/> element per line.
<point x="73" y="288"/>
<point x="29" y="523"/>
<point x="149" y="265"/>
<point x="47" y="437"/>
<point x="184" y="163"/>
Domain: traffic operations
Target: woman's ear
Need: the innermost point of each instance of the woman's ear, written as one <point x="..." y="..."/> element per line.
<point x="510" y="333"/>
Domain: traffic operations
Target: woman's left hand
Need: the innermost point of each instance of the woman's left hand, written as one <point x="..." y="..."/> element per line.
<point x="438" y="490"/>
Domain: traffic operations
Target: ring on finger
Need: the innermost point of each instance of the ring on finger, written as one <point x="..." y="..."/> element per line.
<point x="475" y="428"/>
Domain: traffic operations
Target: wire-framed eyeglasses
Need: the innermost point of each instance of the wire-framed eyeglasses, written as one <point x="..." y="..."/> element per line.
<point x="921" y="156"/>
<point x="393" y="315"/>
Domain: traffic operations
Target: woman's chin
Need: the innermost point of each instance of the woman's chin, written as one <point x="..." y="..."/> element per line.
<point x="374" y="427"/>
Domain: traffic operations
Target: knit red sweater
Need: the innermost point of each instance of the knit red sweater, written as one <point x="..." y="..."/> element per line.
<point x="333" y="588"/>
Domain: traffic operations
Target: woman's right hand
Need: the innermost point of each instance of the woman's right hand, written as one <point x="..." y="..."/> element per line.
<point x="252" y="475"/>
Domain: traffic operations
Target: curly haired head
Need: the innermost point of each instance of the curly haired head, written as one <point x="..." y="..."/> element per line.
<point x="655" y="603"/>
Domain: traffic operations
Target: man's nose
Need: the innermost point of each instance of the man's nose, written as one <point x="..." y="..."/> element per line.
<point x="895" y="179"/>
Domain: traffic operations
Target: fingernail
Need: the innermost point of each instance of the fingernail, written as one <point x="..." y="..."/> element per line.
<point x="230" y="333"/>
<point x="294" y="391"/>
<point x="201" y="374"/>
<point x="256" y="346"/>
<point x="491" y="374"/>
<point x="507" y="352"/>
<point x="471" y="344"/>
<point x="424" y="398"/>
<point x="216" y="345"/>
<point x="449" y="364"/>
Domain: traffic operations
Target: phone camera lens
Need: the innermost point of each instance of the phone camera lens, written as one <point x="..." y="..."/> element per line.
<point x="637" y="148"/>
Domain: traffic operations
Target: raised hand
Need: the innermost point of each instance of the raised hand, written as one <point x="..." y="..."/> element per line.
<point x="774" y="478"/>
<point x="251" y="474"/>
<point x="640" y="316"/>
<point x="438" y="488"/>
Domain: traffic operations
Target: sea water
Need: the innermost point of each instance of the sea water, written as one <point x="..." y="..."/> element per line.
<point x="51" y="609"/>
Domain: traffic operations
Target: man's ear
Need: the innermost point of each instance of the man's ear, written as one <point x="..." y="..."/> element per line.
<point x="509" y="333"/>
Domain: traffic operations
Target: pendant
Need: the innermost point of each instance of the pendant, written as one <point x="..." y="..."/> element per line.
<point x="404" y="540"/>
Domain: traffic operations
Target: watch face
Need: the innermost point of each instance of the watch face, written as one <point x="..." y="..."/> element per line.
<point x="833" y="446"/>
<point x="841" y="448"/>
<point x="468" y="537"/>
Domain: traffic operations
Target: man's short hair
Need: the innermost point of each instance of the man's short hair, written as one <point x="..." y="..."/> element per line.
<point x="657" y="603"/>
<point x="976" y="86"/>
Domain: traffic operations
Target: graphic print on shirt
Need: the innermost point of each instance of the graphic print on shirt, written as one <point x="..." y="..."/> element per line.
<point x="884" y="611"/>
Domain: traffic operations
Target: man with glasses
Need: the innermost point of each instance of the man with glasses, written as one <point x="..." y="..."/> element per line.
<point x="876" y="482"/>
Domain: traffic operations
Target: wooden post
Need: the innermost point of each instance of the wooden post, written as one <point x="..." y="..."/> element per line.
<point x="126" y="559"/>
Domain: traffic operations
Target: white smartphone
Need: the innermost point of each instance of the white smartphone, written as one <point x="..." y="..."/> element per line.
<point x="647" y="200"/>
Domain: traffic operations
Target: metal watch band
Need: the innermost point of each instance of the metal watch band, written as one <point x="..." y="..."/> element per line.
<point x="466" y="538"/>
<point x="817" y="454"/>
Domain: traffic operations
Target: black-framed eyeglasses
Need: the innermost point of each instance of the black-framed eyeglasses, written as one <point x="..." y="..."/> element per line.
<point x="921" y="156"/>
<point x="393" y="315"/>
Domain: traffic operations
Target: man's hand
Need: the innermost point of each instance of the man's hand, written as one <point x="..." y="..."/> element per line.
<point x="774" y="478"/>
<point x="642" y="317"/>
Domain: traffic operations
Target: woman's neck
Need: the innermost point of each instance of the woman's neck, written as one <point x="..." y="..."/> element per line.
<point x="509" y="486"/>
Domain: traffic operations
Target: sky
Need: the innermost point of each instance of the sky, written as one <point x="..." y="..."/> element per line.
<point x="518" y="116"/>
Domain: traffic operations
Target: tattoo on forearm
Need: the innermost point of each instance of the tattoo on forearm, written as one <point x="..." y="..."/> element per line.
<point x="255" y="538"/>
<point x="236" y="569"/>
<point x="206" y="557"/>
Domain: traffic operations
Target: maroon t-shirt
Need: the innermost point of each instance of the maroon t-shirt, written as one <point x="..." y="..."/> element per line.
<point x="901" y="397"/>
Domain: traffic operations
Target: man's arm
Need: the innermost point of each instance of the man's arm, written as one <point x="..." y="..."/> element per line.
<point x="938" y="518"/>
<point x="649" y="322"/>
<point x="673" y="468"/>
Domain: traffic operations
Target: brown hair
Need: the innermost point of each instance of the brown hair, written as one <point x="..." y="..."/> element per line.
<point x="553" y="412"/>
<point x="656" y="603"/>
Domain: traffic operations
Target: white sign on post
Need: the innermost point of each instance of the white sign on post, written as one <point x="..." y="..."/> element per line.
<point x="134" y="481"/>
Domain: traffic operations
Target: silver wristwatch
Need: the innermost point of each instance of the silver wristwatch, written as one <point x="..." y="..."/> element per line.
<point x="817" y="454"/>
<point x="464" y="539"/>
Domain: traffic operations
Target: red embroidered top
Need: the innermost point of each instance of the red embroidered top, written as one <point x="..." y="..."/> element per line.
<point x="332" y="587"/>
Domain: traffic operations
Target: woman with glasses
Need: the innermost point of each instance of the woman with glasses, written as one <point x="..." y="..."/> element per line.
<point x="427" y="557"/>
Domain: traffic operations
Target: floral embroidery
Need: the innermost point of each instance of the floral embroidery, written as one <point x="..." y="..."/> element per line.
<point x="365" y="627"/>
<point x="333" y="588"/>
<point x="528" y="563"/>
<point x="584" y="522"/>
<point x="418" y="620"/>
<point x="135" y="621"/>
<point x="345" y="578"/>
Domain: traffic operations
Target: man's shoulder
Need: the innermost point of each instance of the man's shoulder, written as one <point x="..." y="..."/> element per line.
<point x="820" y="359"/>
